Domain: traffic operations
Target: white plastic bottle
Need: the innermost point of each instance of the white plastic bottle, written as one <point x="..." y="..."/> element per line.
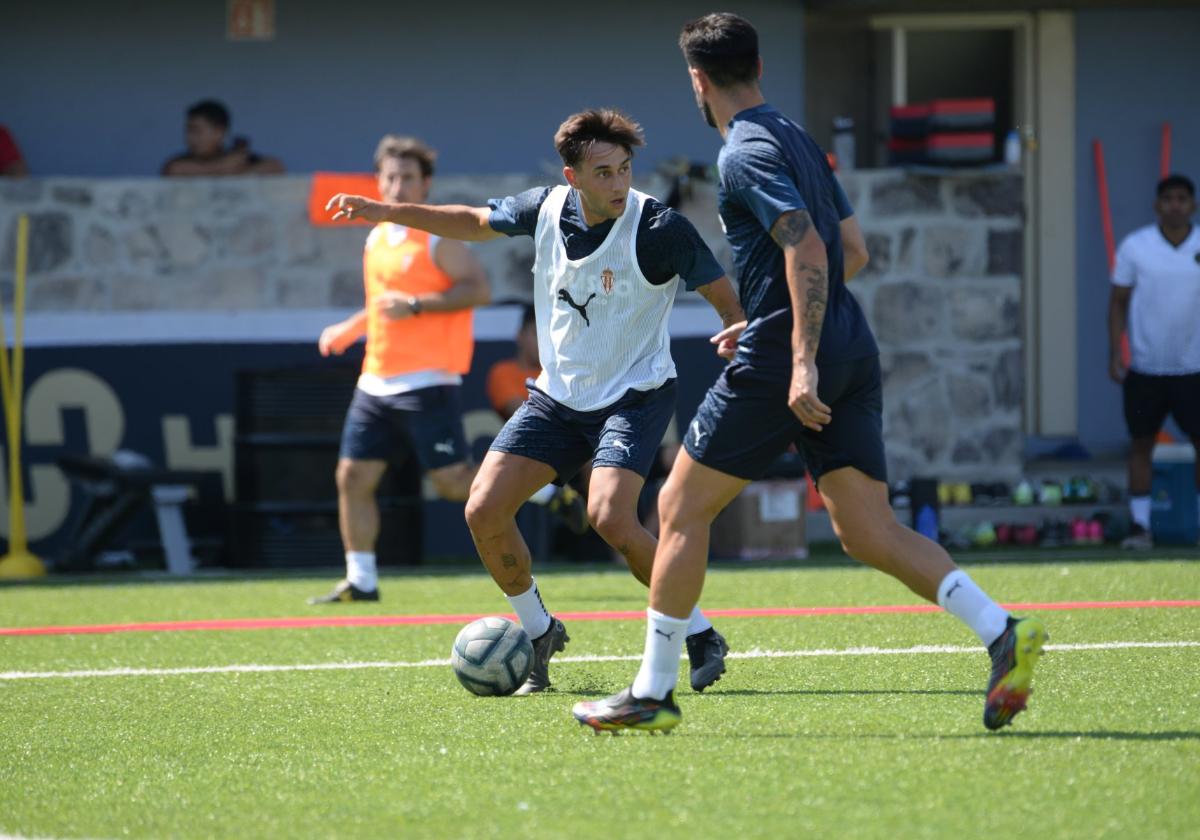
<point x="1012" y="148"/>
<point x="843" y="143"/>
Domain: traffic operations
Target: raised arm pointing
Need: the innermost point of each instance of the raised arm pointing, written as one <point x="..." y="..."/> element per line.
<point x="453" y="221"/>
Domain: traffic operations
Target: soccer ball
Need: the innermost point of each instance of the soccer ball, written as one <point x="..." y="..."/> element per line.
<point x="492" y="656"/>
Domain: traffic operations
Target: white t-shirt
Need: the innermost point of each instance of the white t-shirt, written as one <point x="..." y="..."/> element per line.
<point x="1164" y="310"/>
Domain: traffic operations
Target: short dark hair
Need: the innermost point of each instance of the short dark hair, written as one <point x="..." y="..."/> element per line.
<point x="724" y="46"/>
<point x="211" y="111"/>
<point x="1176" y="181"/>
<point x="580" y="132"/>
<point x="393" y="145"/>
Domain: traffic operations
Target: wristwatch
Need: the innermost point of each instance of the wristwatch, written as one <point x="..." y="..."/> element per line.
<point x="414" y="305"/>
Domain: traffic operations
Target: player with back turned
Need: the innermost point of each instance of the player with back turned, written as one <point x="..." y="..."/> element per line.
<point x="806" y="371"/>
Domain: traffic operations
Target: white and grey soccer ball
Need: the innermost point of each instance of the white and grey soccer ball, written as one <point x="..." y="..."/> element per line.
<point x="492" y="656"/>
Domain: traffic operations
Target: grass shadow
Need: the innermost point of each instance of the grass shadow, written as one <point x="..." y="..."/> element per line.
<point x="589" y="693"/>
<point x="1106" y="735"/>
<point x="835" y="692"/>
<point x="1065" y="735"/>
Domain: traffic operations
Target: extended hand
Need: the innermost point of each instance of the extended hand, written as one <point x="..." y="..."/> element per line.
<point x="727" y="340"/>
<point x="356" y="207"/>
<point x="1117" y="369"/>
<point x="336" y="338"/>
<point x="803" y="399"/>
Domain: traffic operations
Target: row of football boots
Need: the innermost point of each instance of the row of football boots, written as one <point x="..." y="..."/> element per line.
<point x="1052" y="533"/>
<point x="1078" y="490"/>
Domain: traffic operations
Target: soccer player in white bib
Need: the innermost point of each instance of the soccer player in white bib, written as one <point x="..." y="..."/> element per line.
<point x="419" y="293"/>
<point x="607" y="266"/>
<point x="1156" y="294"/>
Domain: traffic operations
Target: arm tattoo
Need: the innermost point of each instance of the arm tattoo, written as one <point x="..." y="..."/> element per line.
<point x="789" y="229"/>
<point x="727" y="315"/>
<point x="814" y="297"/>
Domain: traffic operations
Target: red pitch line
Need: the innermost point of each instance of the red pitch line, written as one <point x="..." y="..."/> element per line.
<point x="615" y="615"/>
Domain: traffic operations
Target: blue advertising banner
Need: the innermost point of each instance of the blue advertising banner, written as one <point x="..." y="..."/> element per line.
<point x="175" y="404"/>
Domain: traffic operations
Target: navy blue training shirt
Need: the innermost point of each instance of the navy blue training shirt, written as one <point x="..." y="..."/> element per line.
<point x="667" y="243"/>
<point x="770" y="166"/>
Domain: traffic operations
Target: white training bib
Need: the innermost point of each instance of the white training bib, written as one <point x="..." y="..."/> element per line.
<point x="601" y="325"/>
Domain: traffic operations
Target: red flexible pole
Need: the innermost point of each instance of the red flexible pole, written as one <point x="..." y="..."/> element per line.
<point x="1164" y="155"/>
<point x="1110" y="247"/>
<point x="1164" y="169"/>
<point x="1105" y="207"/>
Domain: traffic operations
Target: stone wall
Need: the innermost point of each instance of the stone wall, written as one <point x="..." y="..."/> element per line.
<point x="942" y="292"/>
<point x="203" y="244"/>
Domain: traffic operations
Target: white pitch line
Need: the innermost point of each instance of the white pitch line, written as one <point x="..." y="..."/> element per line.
<point x="561" y="660"/>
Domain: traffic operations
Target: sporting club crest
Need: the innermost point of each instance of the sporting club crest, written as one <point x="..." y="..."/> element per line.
<point x="606" y="280"/>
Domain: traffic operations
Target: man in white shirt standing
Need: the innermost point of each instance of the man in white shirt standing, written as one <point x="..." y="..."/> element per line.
<point x="1156" y="295"/>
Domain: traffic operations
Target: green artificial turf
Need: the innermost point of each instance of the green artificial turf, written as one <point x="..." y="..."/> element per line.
<point x="872" y="745"/>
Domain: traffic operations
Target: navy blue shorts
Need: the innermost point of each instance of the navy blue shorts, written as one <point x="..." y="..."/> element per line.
<point x="625" y="434"/>
<point x="426" y="423"/>
<point x="743" y="423"/>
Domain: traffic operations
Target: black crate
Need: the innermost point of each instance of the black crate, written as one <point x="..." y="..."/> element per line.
<point x="288" y="424"/>
<point x="294" y="535"/>
<point x="296" y="400"/>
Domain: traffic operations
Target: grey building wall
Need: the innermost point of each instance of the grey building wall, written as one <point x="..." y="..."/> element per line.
<point x="1135" y="70"/>
<point x="121" y="260"/>
<point x="100" y="88"/>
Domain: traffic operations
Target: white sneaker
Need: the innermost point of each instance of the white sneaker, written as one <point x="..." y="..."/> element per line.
<point x="1139" y="539"/>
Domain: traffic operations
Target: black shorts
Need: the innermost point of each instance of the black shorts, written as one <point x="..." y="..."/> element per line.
<point x="744" y="423"/>
<point x="625" y="434"/>
<point x="426" y="423"/>
<point x="1149" y="399"/>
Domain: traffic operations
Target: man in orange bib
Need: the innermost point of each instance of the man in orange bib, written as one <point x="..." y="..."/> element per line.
<point x="417" y="320"/>
<point x="420" y="290"/>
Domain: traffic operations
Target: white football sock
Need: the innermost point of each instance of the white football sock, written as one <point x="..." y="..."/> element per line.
<point x="958" y="595"/>
<point x="532" y="612"/>
<point x="1139" y="510"/>
<point x="697" y="622"/>
<point x="360" y="570"/>
<point x="543" y="496"/>
<point x="660" y="662"/>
